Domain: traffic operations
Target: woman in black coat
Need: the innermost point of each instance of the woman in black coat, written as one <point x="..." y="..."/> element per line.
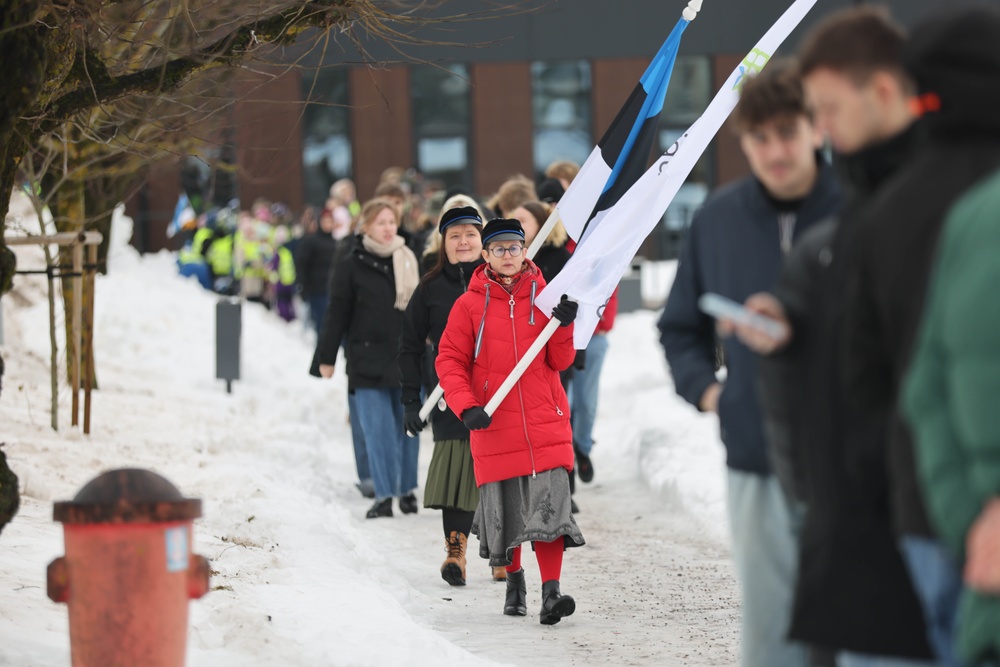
<point x="371" y="288"/>
<point x="451" y="481"/>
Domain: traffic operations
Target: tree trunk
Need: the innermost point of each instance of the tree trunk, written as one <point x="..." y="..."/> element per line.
<point x="10" y="158"/>
<point x="24" y="61"/>
<point x="70" y="217"/>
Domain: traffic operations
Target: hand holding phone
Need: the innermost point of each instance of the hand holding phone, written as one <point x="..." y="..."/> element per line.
<point x="722" y="308"/>
<point x="762" y="333"/>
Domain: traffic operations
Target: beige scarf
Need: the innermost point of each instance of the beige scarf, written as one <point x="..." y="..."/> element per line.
<point x="404" y="266"/>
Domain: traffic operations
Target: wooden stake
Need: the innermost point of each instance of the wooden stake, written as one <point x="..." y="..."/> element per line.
<point x="88" y="328"/>
<point x="77" y="326"/>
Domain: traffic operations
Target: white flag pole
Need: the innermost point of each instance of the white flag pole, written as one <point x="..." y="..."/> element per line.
<point x="522" y="366"/>
<point x="431" y="401"/>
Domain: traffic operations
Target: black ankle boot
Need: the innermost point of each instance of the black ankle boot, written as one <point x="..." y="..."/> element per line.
<point x="555" y="605"/>
<point x="408" y="504"/>
<point x="380" y="508"/>
<point x="515" y="604"/>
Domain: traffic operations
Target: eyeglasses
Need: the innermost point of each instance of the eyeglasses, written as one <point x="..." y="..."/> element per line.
<point x="499" y="251"/>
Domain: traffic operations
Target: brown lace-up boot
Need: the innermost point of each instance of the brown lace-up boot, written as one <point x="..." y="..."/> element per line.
<point x="453" y="569"/>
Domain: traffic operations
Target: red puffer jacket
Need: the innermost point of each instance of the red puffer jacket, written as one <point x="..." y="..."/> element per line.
<point x="530" y="431"/>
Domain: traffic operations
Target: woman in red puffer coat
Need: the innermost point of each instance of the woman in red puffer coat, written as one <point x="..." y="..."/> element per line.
<point x="522" y="454"/>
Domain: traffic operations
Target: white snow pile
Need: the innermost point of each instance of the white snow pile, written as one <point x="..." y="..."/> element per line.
<point x="299" y="576"/>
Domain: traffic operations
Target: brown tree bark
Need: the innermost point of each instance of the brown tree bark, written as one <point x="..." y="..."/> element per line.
<point x="24" y="67"/>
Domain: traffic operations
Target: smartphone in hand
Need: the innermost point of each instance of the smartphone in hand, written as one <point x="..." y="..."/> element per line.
<point x="721" y="308"/>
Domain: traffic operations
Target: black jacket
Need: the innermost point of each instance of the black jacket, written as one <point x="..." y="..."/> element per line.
<point x="362" y="308"/>
<point x="423" y="323"/>
<point x="314" y="261"/>
<point x="550" y="259"/>
<point x="853" y="591"/>
<point x="955" y="59"/>
<point x="734" y="249"/>
<point x="886" y="295"/>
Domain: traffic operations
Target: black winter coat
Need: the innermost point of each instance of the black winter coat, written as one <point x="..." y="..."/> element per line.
<point x="425" y="318"/>
<point x="734" y="249"/>
<point x="888" y="283"/>
<point x="853" y="591"/>
<point x="551" y="259"/>
<point x="362" y="308"/>
<point x="314" y="262"/>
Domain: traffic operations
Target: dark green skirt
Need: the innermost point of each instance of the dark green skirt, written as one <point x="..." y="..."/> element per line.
<point x="451" y="479"/>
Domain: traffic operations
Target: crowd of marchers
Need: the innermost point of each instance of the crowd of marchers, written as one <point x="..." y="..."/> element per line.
<point x="860" y="426"/>
<point x="862" y="432"/>
<point x="450" y="296"/>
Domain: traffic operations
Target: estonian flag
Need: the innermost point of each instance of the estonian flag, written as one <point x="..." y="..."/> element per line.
<point x="624" y="153"/>
<point x="593" y="272"/>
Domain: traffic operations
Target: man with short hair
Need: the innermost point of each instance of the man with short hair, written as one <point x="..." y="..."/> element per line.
<point x="853" y="592"/>
<point x="734" y="248"/>
<point x="954" y="60"/>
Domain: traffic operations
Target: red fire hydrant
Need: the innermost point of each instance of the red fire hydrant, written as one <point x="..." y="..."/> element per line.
<point x="128" y="572"/>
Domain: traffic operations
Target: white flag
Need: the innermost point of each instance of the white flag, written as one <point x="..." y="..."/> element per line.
<point x="600" y="261"/>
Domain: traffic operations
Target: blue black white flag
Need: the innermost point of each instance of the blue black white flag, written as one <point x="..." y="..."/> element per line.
<point x="624" y="152"/>
<point x="597" y="264"/>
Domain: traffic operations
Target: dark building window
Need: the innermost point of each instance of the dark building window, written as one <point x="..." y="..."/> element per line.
<point x="441" y="122"/>
<point x="561" y="110"/>
<point x="326" y="139"/>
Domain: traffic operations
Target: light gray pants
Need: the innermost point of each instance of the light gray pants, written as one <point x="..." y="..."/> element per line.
<point x="765" y="555"/>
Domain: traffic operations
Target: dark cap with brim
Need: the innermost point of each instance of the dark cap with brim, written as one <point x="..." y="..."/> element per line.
<point x="461" y="215"/>
<point x="503" y="229"/>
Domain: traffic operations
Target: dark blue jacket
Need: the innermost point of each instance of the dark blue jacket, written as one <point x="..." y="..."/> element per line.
<point x="734" y="248"/>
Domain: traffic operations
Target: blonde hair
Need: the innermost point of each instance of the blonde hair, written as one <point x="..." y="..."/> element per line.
<point x="562" y="169"/>
<point x="371" y="209"/>
<point x="434" y="238"/>
<point x="541" y="211"/>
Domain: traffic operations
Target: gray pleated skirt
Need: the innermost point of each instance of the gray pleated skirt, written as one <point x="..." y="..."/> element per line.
<point x="514" y="511"/>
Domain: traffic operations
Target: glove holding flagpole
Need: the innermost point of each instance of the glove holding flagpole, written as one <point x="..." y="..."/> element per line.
<point x="613" y="166"/>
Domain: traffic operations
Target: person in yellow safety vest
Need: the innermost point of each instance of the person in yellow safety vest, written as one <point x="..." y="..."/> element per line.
<point x="191" y="260"/>
<point x="283" y="275"/>
<point x="219" y="253"/>
<point x="220" y="256"/>
<point x="191" y="263"/>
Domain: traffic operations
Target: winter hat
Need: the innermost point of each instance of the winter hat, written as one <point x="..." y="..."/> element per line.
<point x="502" y="229"/>
<point x="462" y="215"/>
<point x="954" y="59"/>
<point x="550" y="191"/>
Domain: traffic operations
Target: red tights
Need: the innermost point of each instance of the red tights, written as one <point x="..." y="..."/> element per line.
<point x="549" y="556"/>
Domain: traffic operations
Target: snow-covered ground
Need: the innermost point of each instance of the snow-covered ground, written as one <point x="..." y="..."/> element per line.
<point x="299" y="576"/>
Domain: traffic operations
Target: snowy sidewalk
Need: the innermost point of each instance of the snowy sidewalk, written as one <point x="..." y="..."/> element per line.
<point x="300" y="577"/>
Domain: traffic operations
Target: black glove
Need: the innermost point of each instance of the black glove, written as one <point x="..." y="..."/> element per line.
<point x="580" y="361"/>
<point x="412" y="422"/>
<point x="565" y="311"/>
<point x="476" y="418"/>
